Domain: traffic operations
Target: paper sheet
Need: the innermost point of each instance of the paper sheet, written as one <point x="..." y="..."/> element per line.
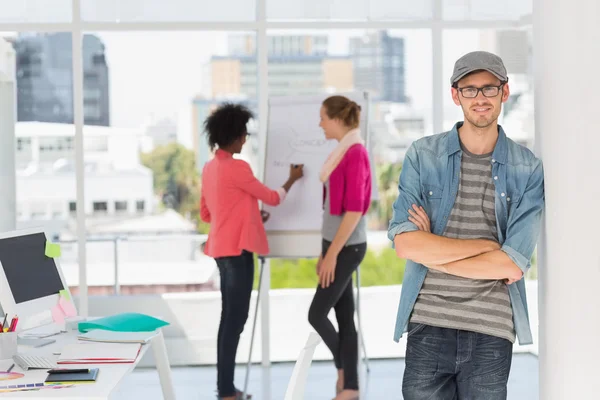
<point x="58" y="315"/>
<point x="67" y="307"/>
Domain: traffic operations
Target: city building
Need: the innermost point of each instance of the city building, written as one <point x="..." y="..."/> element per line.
<point x="298" y="64"/>
<point x="378" y="60"/>
<point x="45" y="79"/>
<point x="117" y="185"/>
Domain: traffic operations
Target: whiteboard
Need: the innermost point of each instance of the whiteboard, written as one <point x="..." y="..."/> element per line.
<point x="294" y="137"/>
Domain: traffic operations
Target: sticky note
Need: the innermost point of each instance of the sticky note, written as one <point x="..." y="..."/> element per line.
<point x="58" y="315"/>
<point x="52" y="250"/>
<point x="67" y="307"/>
<point x="65" y="293"/>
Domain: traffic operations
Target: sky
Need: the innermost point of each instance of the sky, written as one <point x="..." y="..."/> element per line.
<point x="154" y="75"/>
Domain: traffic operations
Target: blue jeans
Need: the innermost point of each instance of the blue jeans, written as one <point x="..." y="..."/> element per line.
<point x="450" y="364"/>
<point x="237" y="277"/>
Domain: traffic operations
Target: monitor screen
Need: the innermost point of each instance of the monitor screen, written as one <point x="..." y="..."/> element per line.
<point x="30" y="274"/>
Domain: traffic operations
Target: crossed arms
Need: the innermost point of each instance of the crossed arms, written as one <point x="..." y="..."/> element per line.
<point x="469" y="258"/>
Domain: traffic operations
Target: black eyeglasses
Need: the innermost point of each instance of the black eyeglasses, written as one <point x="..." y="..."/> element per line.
<point x="472" y="92"/>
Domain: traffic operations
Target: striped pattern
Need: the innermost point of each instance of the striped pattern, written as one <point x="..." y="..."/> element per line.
<point x="453" y="302"/>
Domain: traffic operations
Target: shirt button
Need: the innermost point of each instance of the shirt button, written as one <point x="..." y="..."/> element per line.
<point x="495" y="178"/>
<point x="493" y="160"/>
<point x="508" y="199"/>
<point x="431" y="193"/>
<point x="502" y="194"/>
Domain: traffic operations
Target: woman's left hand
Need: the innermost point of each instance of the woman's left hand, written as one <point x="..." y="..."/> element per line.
<point x="327" y="270"/>
<point x="265" y="216"/>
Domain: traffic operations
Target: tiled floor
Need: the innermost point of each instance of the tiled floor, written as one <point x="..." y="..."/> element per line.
<point x="383" y="382"/>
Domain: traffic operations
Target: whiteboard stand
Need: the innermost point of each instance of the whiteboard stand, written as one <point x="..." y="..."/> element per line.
<point x="263" y="291"/>
<point x="259" y="294"/>
<point x="361" y="338"/>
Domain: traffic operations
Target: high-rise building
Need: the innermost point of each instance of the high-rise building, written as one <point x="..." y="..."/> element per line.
<point x="280" y="45"/>
<point x="45" y="79"/>
<point x="297" y="65"/>
<point x="378" y="61"/>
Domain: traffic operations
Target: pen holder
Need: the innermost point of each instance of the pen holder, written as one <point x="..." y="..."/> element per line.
<point x="8" y="345"/>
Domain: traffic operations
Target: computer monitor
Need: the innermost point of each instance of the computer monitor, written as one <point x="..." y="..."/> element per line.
<point x="30" y="281"/>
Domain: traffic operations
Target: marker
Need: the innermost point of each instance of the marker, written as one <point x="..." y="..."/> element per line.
<point x="13" y="324"/>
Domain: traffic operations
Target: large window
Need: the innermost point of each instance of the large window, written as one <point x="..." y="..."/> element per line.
<point x="165" y="11"/>
<point x="145" y="94"/>
<point x="353" y="10"/>
<point x="146" y="163"/>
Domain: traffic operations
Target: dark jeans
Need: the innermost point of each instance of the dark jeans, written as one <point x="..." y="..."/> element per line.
<point x="339" y="295"/>
<point x="237" y="277"/>
<point x="450" y="364"/>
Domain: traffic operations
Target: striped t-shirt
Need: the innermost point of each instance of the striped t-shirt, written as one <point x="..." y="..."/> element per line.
<point x="454" y="302"/>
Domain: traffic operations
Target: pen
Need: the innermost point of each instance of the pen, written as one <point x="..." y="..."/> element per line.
<point x="10" y="369"/>
<point x="4" y="323"/>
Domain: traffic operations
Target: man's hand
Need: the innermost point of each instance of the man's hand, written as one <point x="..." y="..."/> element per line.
<point x="511" y="281"/>
<point x="419" y="217"/>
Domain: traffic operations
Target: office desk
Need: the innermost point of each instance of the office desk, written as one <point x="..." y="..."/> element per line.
<point x="109" y="378"/>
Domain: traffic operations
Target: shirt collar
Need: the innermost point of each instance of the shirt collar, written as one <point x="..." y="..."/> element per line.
<point x="500" y="153"/>
<point x="223" y="154"/>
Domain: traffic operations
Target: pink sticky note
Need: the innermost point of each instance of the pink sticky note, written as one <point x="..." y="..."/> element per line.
<point x="67" y="307"/>
<point x="58" y="315"/>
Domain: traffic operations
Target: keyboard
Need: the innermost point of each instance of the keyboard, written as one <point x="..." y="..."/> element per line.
<point x="33" y="362"/>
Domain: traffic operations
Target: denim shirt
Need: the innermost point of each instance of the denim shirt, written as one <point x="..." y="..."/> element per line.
<point x="430" y="177"/>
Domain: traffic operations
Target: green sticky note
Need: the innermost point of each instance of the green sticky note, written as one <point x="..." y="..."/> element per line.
<point x="64" y="293"/>
<point x="52" y="250"/>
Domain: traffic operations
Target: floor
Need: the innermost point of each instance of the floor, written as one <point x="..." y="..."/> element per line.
<point x="383" y="382"/>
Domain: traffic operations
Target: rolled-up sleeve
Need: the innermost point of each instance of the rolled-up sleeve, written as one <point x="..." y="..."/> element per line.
<point x="524" y="222"/>
<point x="204" y="212"/>
<point x="409" y="194"/>
<point x="245" y="179"/>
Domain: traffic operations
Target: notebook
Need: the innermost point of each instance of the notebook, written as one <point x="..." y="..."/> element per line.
<point x="83" y="377"/>
<point x="99" y="353"/>
<point x="99" y="335"/>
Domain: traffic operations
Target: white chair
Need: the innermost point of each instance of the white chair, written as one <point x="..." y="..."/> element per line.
<point x="295" y="389"/>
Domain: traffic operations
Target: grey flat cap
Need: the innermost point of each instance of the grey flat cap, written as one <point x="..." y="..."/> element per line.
<point x="479" y="61"/>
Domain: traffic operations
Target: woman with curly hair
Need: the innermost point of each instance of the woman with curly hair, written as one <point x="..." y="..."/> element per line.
<point x="229" y="203"/>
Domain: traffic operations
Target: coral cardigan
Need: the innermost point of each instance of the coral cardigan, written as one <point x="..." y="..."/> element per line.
<point x="229" y="202"/>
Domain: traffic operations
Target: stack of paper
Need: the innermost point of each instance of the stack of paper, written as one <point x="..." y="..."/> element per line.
<point x="99" y="335"/>
<point x="99" y="353"/>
